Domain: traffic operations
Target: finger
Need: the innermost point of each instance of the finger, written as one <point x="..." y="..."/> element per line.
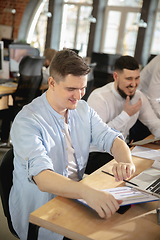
<point x="110" y="207"/>
<point x="100" y="212"/>
<point x="124" y="171"/>
<point x="119" y="171"/>
<point x="119" y="201"/>
<point x="114" y="170"/>
<point x="107" y="211"/>
<point x="127" y="100"/>
<point x="128" y="171"/>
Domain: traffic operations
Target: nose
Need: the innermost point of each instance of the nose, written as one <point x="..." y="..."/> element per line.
<point x="78" y="94"/>
<point x="134" y="83"/>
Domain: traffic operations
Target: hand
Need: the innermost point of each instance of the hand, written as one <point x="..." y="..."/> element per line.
<point x="102" y="202"/>
<point x="123" y="170"/>
<point x="132" y="109"/>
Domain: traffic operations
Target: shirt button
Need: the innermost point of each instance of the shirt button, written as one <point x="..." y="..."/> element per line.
<point x="63" y="130"/>
<point x="66" y="149"/>
<point x="26" y="159"/>
<point x="62" y="117"/>
<point x="66" y="167"/>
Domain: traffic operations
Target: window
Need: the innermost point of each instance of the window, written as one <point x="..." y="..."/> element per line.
<point x="74" y="29"/>
<point x="76" y="25"/>
<point x="37" y="33"/>
<point x="121" y="26"/>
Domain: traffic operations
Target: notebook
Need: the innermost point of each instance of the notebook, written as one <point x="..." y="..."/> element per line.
<point x="148" y="181"/>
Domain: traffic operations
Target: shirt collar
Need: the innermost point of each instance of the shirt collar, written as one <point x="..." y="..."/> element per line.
<point x="57" y="115"/>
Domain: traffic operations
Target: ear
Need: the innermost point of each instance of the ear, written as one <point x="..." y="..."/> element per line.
<point x="51" y="82"/>
<point x="115" y="76"/>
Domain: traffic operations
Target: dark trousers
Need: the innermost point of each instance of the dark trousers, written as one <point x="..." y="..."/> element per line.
<point x="138" y="132"/>
<point x="97" y="160"/>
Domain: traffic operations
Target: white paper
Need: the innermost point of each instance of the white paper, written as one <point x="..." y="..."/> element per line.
<point x="130" y="195"/>
<point x="156" y="164"/>
<point x="144" y="152"/>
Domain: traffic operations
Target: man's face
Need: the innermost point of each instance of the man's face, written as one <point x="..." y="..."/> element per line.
<point x="67" y="93"/>
<point x="126" y="82"/>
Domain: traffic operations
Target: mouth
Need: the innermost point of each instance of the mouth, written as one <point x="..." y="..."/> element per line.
<point x="73" y="101"/>
<point x="131" y="89"/>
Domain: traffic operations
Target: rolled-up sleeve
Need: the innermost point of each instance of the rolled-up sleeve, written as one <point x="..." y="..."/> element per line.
<point x="102" y="135"/>
<point x="29" y="147"/>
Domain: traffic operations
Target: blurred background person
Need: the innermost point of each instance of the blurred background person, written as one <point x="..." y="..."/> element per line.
<point x="48" y="54"/>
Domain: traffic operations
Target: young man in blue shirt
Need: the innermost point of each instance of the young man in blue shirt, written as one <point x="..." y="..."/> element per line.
<point x="51" y="137"/>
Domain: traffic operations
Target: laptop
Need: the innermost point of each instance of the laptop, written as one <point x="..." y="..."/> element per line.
<point x="148" y="181"/>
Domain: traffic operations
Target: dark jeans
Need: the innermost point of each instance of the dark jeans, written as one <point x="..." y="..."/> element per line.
<point x="138" y="132"/>
<point x="97" y="160"/>
<point x="65" y="238"/>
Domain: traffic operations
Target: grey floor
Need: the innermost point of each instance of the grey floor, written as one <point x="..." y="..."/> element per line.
<point x="4" y="230"/>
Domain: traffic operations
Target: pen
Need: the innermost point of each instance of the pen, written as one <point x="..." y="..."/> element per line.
<point x="123" y="179"/>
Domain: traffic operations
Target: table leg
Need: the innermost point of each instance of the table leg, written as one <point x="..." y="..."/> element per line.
<point x="33" y="232"/>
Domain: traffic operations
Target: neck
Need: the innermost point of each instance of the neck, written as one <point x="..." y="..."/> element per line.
<point x="66" y="116"/>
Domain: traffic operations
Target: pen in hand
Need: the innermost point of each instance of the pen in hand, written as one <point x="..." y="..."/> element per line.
<point x="123" y="179"/>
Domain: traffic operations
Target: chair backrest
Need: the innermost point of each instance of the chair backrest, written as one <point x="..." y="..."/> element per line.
<point x="90" y="82"/>
<point x="30" y="79"/>
<point x="6" y="169"/>
<point x="30" y="70"/>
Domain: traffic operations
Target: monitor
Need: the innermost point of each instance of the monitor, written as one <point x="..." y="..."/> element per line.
<point x="16" y="52"/>
<point x="1" y="56"/>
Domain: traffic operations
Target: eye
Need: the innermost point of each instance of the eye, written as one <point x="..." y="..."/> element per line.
<point x="71" y="89"/>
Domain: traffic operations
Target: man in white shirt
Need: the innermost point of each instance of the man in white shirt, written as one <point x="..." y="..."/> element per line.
<point x="150" y="83"/>
<point x="120" y="104"/>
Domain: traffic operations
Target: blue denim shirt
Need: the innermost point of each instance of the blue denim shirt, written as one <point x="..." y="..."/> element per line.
<point x="39" y="143"/>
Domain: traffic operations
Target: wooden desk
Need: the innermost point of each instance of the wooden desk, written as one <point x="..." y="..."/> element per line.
<point x="5" y="91"/>
<point x="78" y="222"/>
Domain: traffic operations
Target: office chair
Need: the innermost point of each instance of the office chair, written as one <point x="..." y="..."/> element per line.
<point x="90" y="81"/>
<point x="30" y="79"/>
<point x="6" y="169"/>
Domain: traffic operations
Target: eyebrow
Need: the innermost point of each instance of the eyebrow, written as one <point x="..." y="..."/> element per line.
<point x="75" y="88"/>
<point x="133" y="77"/>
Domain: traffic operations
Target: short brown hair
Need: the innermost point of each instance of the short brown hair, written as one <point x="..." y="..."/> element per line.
<point x="67" y="62"/>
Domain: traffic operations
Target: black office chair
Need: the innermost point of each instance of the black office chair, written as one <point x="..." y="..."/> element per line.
<point x="6" y="169"/>
<point x="90" y="82"/>
<point x="30" y="79"/>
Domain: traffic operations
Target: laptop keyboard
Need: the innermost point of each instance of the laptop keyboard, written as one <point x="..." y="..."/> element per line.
<point x="155" y="186"/>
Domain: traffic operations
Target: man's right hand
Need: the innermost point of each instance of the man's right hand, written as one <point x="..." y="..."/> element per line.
<point x="102" y="202"/>
<point x="132" y="109"/>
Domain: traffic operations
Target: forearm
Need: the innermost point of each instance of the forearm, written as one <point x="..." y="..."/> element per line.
<point x="104" y="203"/>
<point x="124" y="167"/>
<point x="54" y="183"/>
<point x="121" y="151"/>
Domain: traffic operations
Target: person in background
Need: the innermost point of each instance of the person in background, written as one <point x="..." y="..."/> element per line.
<point x="150" y="83"/>
<point x="120" y="104"/>
<point x="48" y="54"/>
<point x="52" y="146"/>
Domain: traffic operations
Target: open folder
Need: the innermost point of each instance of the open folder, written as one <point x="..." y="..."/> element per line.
<point x="129" y="195"/>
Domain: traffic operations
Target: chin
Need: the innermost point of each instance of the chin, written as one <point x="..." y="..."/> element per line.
<point x="72" y="107"/>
